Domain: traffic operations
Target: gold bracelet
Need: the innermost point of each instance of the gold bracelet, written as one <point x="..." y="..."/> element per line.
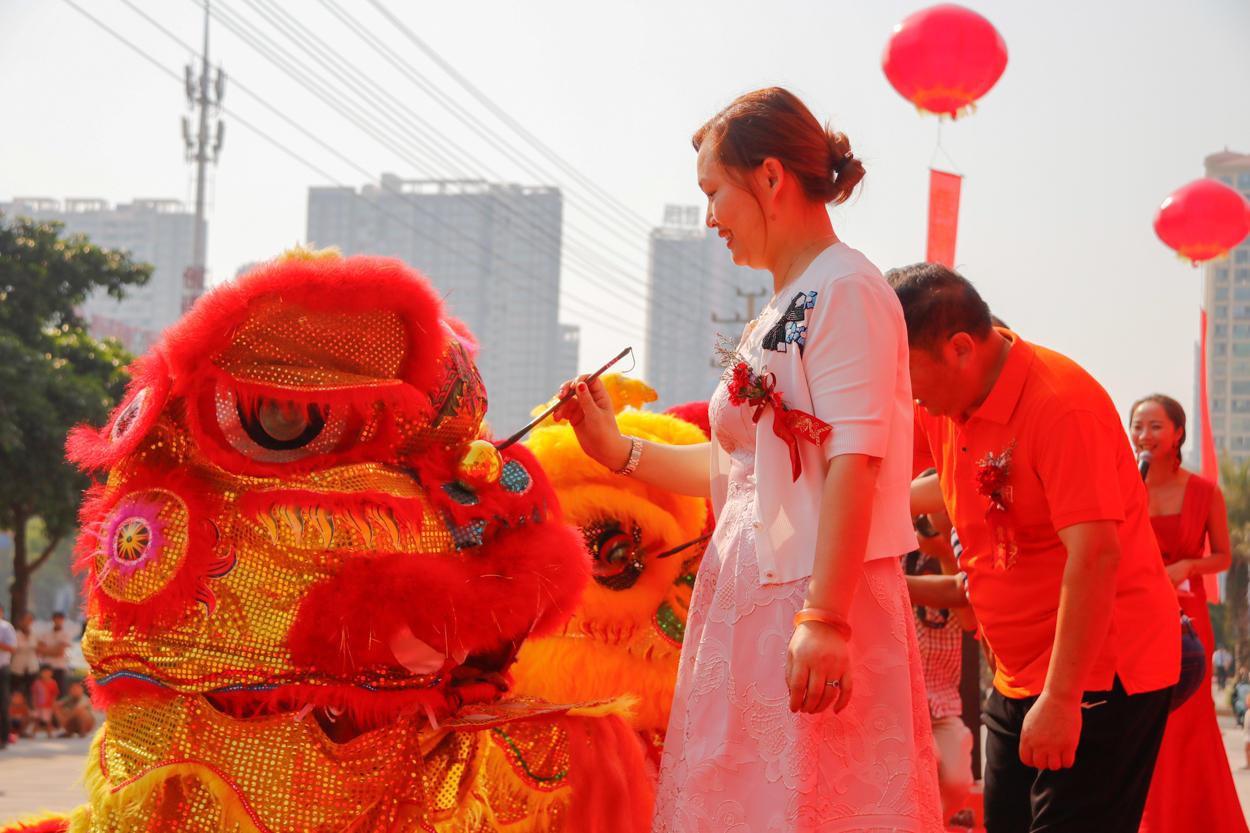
<point x="825" y="617"/>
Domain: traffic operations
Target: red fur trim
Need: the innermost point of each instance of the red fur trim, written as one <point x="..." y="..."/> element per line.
<point x="696" y="413"/>
<point x="525" y="580"/>
<point x="353" y="284"/>
<point x="693" y="412"/>
<point x="94" y="449"/>
<point x="563" y="580"/>
<point x="202" y="558"/>
<point x="613" y="789"/>
<point x="462" y="332"/>
<point x="53" y="825"/>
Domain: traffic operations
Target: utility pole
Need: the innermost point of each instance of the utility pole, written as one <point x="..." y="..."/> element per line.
<point x="203" y="94"/>
<point x="751" y="298"/>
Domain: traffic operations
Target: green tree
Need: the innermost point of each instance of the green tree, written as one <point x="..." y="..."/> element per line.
<point x="1235" y="482"/>
<point x="53" y="376"/>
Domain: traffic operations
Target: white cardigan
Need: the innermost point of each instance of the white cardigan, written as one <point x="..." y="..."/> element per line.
<point x="836" y="341"/>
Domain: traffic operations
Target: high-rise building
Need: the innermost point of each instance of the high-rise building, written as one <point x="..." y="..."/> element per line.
<point x="569" y="352"/>
<point x="1226" y="290"/>
<point x="491" y="250"/>
<point x="159" y="232"/>
<point x="696" y="296"/>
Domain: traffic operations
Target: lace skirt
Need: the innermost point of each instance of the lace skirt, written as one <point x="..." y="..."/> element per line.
<point x="736" y="760"/>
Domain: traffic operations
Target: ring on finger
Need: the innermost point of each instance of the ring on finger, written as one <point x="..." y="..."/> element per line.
<point x="834" y="683"/>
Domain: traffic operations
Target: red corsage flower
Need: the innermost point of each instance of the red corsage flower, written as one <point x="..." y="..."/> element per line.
<point x="994" y="484"/>
<point x="746" y="387"/>
<point x="740" y="383"/>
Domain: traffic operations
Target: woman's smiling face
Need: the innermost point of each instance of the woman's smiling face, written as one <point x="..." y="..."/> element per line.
<point x="1153" y="430"/>
<point x="732" y="209"/>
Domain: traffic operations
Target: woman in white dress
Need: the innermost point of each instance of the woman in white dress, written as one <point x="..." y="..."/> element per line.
<point x="799" y="703"/>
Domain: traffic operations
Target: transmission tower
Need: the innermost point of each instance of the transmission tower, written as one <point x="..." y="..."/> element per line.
<point x="738" y="320"/>
<point x="204" y="93"/>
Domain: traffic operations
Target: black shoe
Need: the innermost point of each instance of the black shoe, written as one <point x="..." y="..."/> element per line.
<point x="962" y="819"/>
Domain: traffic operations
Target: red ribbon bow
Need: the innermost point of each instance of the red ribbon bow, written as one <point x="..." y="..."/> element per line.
<point x="789" y="424"/>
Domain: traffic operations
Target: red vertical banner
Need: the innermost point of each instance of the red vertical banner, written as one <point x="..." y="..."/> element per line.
<point x="1210" y="468"/>
<point x="943" y="217"/>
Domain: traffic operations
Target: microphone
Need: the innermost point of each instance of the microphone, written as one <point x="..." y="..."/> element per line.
<point x="1143" y="462"/>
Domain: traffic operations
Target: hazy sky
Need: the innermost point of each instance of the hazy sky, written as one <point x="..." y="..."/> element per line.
<point x="1105" y="107"/>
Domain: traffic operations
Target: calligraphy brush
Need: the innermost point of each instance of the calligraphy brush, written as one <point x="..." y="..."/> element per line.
<point x="572" y="392"/>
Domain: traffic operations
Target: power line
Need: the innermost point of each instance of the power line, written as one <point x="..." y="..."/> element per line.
<point x="610" y="221"/>
<point x="285" y="150"/>
<point x="359" y="168"/>
<point x="385" y="106"/>
<point x="306" y="75"/>
<point x="495" y="109"/>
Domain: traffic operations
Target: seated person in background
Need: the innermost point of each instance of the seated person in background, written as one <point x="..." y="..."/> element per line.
<point x="43" y="695"/>
<point x="19" y="714"/>
<point x="73" y="713"/>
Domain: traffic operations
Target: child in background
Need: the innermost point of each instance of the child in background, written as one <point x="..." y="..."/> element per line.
<point x="19" y="715"/>
<point x="43" y="696"/>
<point x="73" y="713"/>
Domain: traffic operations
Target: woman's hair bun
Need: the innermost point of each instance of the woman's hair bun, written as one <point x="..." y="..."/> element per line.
<point x="845" y="169"/>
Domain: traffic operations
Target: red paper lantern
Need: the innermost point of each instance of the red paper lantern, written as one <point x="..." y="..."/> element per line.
<point x="1203" y="220"/>
<point x="944" y="58"/>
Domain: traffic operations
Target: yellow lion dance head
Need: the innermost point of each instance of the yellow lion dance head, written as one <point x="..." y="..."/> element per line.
<point x="645" y="544"/>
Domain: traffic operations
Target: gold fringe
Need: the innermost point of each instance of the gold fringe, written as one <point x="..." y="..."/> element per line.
<point x="80" y="820"/>
<point x="301" y="251"/>
<point x="118" y="810"/>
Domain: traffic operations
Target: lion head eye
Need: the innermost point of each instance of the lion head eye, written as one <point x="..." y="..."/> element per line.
<point x="274" y="430"/>
<point x="281" y="426"/>
<point x="616" y="553"/>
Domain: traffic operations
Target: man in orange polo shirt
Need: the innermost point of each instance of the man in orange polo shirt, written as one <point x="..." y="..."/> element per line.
<point x="1063" y="570"/>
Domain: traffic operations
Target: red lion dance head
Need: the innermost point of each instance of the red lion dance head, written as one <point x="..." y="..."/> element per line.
<point x="302" y="603"/>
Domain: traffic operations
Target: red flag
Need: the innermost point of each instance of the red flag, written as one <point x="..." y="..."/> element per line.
<point x="1210" y="464"/>
<point x="943" y="217"/>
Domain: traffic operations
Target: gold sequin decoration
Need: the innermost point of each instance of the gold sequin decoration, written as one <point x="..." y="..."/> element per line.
<point x="179" y="763"/>
<point x="286" y="346"/>
<point x="279" y="773"/>
<point x="452" y="765"/>
<point x="458" y="404"/>
<point x="182" y="762"/>
<point x="281" y="554"/>
<point x="477" y="782"/>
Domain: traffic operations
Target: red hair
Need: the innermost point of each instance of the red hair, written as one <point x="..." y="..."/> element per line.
<point x="774" y="123"/>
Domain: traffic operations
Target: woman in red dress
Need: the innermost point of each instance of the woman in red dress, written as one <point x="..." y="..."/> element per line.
<point x="1192" y="788"/>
